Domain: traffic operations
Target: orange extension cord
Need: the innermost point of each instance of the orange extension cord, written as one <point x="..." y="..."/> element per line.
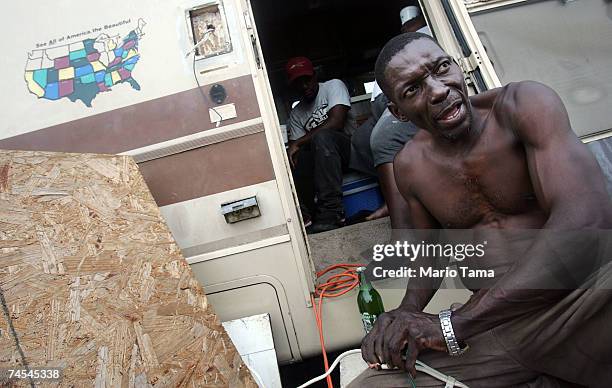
<point x="335" y="285"/>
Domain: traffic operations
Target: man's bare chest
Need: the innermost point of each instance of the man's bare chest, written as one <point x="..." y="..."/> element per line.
<point x="490" y="186"/>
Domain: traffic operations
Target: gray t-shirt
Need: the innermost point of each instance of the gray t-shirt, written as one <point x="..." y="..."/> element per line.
<point x="306" y="116"/>
<point x="389" y="136"/>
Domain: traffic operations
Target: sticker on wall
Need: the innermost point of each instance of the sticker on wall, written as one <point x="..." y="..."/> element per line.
<point x="81" y="69"/>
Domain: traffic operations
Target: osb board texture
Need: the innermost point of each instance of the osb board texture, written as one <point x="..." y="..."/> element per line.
<point x="94" y="282"/>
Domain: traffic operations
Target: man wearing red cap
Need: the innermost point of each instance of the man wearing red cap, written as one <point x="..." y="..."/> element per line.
<point x="319" y="144"/>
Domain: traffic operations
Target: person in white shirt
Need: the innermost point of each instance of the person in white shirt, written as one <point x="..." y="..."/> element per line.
<point x="319" y="144"/>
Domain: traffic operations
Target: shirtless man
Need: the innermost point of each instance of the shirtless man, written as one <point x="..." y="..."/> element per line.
<point x="503" y="159"/>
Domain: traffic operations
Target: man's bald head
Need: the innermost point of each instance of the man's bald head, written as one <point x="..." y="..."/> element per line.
<point x="393" y="47"/>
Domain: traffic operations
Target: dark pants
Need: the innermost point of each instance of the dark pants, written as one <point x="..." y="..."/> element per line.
<point x="568" y="341"/>
<point x="362" y="158"/>
<point x="319" y="172"/>
<point x="361" y="152"/>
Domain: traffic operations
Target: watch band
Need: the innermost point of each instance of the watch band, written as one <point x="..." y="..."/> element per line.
<point x="449" y="334"/>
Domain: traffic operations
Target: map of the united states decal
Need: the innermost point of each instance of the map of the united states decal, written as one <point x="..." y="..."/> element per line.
<point x="81" y="70"/>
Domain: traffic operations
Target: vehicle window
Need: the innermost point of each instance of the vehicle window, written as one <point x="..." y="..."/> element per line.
<point x="563" y="44"/>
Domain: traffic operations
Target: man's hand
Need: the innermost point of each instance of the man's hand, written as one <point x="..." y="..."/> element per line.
<point x="402" y="332"/>
<point x="371" y="346"/>
<point x="292" y="152"/>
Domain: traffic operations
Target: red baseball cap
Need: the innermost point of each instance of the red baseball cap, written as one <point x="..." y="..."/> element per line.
<point x="298" y="67"/>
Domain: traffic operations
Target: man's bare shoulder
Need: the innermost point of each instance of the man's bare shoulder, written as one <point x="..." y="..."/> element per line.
<point x="487" y="98"/>
<point x="529" y="89"/>
<point x="515" y="96"/>
<point x="494" y="100"/>
<point x="527" y="104"/>
<point x="516" y="103"/>
<point x="411" y="155"/>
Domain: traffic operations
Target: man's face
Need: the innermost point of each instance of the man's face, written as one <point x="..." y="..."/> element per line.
<point x="428" y="89"/>
<point x="306" y="87"/>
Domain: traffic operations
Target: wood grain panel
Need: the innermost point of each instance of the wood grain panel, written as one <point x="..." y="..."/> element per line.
<point x="93" y="281"/>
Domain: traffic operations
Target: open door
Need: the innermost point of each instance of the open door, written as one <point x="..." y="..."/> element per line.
<point x="452" y="27"/>
<point x="276" y="145"/>
<point x="563" y="44"/>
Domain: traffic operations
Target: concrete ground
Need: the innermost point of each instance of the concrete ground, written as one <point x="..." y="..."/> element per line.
<point x="351" y="244"/>
<point x="294" y="375"/>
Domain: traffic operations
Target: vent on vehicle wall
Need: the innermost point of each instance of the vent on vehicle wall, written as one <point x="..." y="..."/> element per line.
<point x="241" y="210"/>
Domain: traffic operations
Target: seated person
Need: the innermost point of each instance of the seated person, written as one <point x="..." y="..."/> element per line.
<point x="319" y="145"/>
<point x="376" y="142"/>
<point x="388" y="137"/>
<point x="497" y="162"/>
<point x="361" y="153"/>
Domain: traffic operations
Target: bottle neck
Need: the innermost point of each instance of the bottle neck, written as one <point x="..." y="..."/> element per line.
<point x="364" y="284"/>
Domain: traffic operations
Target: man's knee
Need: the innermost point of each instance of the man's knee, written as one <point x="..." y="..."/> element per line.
<point x="386" y="378"/>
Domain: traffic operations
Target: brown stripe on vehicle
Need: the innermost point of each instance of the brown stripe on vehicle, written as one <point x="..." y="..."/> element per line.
<point x="141" y="124"/>
<point x="209" y="170"/>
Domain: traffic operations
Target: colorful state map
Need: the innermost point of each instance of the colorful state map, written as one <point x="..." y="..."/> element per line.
<point x="81" y="70"/>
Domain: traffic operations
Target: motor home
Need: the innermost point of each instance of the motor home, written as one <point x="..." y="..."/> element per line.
<point x="194" y="90"/>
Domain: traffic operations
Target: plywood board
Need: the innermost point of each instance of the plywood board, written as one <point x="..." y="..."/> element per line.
<point x="94" y="283"/>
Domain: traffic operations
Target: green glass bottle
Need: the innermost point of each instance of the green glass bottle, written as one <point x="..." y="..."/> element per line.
<point x="369" y="301"/>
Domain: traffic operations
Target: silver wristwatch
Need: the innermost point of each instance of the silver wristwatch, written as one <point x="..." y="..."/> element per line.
<point x="449" y="334"/>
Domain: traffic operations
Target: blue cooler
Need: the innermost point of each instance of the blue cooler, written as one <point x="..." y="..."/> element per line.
<point x="360" y="192"/>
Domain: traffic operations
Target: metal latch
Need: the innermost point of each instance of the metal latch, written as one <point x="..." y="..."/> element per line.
<point x="471" y="63"/>
<point x="241" y="210"/>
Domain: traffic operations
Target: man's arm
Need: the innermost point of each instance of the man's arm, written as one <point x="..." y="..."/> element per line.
<point x="569" y="186"/>
<point x="399" y="211"/>
<point x="419" y="290"/>
<point x="339" y="102"/>
<point x="388" y="337"/>
<point x="336" y="118"/>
